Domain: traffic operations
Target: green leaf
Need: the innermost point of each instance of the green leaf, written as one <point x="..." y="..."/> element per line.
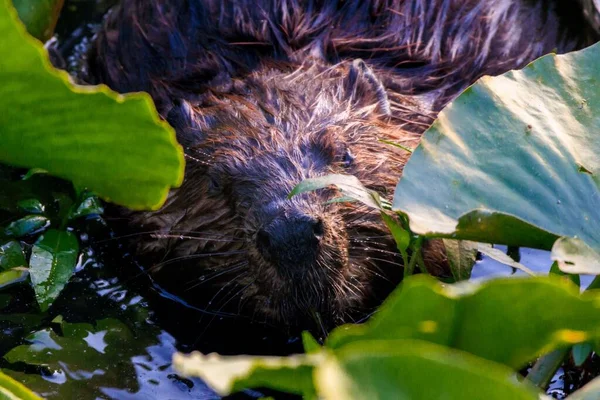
<point x="115" y="145"/>
<point x="39" y="16"/>
<point x="13" y="390"/>
<point x="581" y="352"/>
<point x="506" y="157"/>
<point x="510" y="321"/>
<point x="13" y="277"/>
<point x="26" y="225"/>
<point x="11" y="255"/>
<point x="414" y="370"/>
<point x="309" y="343"/>
<point x="395" y="369"/>
<point x="462" y="255"/>
<point x="89" y="205"/>
<point x="52" y="263"/>
<point x="31" y="206"/>
<point x="228" y="374"/>
<point x="349" y="185"/>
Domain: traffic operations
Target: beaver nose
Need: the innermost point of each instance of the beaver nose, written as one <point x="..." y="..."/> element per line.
<point x="291" y="242"/>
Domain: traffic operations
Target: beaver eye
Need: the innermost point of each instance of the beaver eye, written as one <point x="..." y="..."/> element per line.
<point x="348" y="158"/>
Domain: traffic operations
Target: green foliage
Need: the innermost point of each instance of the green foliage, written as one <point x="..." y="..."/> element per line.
<point x="469" y="337"/>
<point x="35" y="243"/>
<point x="414" y="370"/>
<point x="113" y="144"/>
<point x="514" y="160"/>
<point x="52" y="263"/>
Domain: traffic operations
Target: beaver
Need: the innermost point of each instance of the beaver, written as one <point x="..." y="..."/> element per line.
<point x="266" y="93"/>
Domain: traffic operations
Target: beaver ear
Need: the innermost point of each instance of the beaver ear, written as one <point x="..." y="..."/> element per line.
<point x="364" y="87"/>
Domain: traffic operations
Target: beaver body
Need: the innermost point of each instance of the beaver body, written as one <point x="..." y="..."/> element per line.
<point x="264" y="94"/>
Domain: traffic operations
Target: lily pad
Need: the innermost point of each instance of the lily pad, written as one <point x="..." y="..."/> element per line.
<point x="413" y="370"/>
<point x="395" y="369"/>
<point x="52" y="263"/>
<point x="510" y="321"/>
<point x="514" y="159"/>
<point x="115" y="145"/>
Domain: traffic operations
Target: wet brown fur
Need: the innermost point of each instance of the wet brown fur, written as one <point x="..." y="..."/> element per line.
<point x="264" y="94"/>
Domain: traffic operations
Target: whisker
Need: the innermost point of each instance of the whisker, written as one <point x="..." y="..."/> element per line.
<point x="205" y="235"/>
<point x="385" y="261"/>
<point x="222" y="306"/>
<point x="235" y="267"/>
<point x="175" y="236"/>
<point x="195" y="256"/>
<point x="394" y="253"/>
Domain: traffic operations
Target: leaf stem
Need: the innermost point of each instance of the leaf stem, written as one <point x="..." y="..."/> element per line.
<point x="416" y="250"/>
<point x="546" y="366"/>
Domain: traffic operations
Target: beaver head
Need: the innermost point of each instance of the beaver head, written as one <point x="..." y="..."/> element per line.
<point x="231" y="226"/>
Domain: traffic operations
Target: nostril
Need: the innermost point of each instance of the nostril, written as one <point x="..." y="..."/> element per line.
<point x="318" y="228"/>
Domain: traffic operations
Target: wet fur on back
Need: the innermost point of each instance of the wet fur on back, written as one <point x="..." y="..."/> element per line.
<point x="264" y="94"/>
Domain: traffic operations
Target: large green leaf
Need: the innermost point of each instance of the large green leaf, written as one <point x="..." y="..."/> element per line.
<point x="52" y="263"/>
<point x="510" y="321"/>
<point x="414" y="370"/>
<point x="514" y="159"/>
<point x="13" y="390"/>
<point x="395" y="369"/>
<point x="113" y="144"/>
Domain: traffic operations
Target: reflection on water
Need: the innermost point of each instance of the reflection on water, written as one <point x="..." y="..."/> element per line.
<point x="100" y="341"/>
